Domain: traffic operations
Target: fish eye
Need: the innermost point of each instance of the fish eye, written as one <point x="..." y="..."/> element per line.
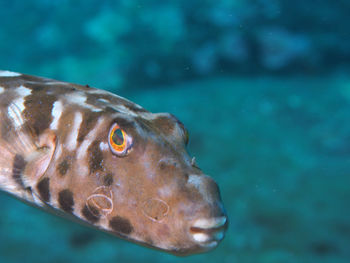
<point x="119" y="141"/>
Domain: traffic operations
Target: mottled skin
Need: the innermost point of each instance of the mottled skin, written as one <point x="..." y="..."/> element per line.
<point x="56" y="155"/>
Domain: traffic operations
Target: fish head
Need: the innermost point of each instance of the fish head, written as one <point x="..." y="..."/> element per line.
<point x="106" y="162"/>
<point x="160" y="197"/>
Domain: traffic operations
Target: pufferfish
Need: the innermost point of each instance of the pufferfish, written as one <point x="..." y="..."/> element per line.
<point x="104" y="161"/>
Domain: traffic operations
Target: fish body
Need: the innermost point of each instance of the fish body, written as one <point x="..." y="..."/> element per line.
<point x="105" y="161"/>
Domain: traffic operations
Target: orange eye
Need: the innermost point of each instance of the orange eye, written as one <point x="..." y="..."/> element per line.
<point x="119" y="141"/>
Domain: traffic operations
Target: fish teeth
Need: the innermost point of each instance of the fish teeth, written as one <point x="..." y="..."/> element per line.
<point x="201" y="237"/>
<point x="208" y="223"/>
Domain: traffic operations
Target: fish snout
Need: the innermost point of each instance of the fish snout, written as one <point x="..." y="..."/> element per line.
<point x="207" y="226"/>
<point x="208" y="232"/>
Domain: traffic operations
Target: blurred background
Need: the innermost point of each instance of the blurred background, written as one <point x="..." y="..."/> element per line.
<point x="263" y="87"/>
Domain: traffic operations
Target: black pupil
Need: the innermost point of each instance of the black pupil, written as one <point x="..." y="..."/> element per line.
<point x="117" y="137"/>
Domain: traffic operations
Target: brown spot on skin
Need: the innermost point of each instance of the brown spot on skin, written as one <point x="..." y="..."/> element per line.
<point x="17" y="169"/>
<point x="44" y="189"/>
<point x="95" y="157"/>
<point x="38" y="107"/>
<point x="168" y="164"/>
<point x="91" y="214"/>
<point x="63" y="167"/>
<point x="121" y="225"/>
<point x="88" y="123"/>
<point x="108" y="179"/>
<point x="66" y="201"/>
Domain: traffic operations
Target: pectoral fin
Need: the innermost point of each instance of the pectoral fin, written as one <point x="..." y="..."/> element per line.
<point x="24" y="158"/>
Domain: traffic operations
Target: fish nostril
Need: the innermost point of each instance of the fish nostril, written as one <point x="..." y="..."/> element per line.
<point x="194" y="163"/>
<point x="167" y="163"/>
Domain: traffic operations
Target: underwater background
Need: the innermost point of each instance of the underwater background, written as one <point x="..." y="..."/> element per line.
<point x="263" y="87"/>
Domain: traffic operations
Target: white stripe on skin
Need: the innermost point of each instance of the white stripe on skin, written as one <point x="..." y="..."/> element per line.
<point x="104" y="146"/>
<point x="90" y="137"/>
<point x="123" y="109"/>
<point x="104" y="92"/>
<point x="56" y="114"/>
<point x="6" y="73"/>
<point x="152" y="116"/>
<point x="22" y="93"/>
<point x="15" y="115"/>
<point x="82" y="167"/>
<point x="76" y="98"/>
<point x="58" y="152"/>
<point x="71" y="142"/>
<point x="80" y="99"/>
<point x="56" y="83"/>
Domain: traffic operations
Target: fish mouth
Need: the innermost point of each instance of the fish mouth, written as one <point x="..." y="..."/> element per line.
<point x="208" y="232"/>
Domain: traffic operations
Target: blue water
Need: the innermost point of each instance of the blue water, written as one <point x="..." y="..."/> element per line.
<point x="263" y="87"/>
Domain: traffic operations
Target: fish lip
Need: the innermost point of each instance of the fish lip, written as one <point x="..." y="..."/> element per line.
<point x="208" y="232"/>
